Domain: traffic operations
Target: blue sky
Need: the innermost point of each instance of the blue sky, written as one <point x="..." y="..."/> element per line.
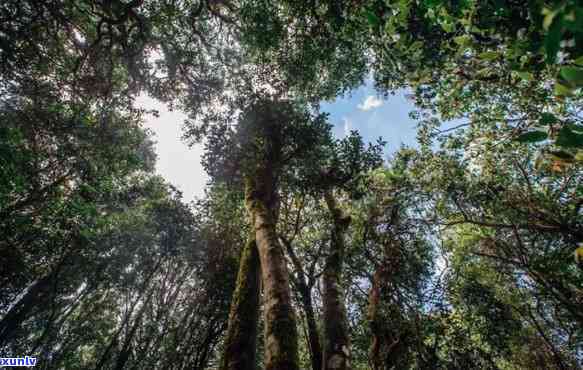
<point x="361" y="110"/>
<point x="373" y="116"/>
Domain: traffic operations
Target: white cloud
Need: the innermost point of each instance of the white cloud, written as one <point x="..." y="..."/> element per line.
<point x="371" y="102"/>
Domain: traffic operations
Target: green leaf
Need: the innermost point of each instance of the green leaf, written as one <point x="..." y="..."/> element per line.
<point x="576" y="128"/>
<point x="484" y="72"/>
<point x="579" y="254"/>
<point x="561" y="155"/>
<point x="488" y="55"/>
<point x="574" y="75"/>
<point x="462" y="40"/>
<point x="553" y="41"/>
<point x="448" y="27"/>
<point x="525" y="75"/>
<point x="579" y="61"/>
<point x="417" y="45"/>
<point x="567" y="138"/>
<point x="562" y="90"/>
<point x="547" y="119"/>
<point x="532" y="137"/>
<point x="549" y="17"/>
<point x="373" y="19"/>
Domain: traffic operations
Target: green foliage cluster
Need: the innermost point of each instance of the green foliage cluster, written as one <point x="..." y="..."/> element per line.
<point x="455" y="254"/>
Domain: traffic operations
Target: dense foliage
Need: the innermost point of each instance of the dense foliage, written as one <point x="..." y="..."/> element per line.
<point x="307" y="250"/>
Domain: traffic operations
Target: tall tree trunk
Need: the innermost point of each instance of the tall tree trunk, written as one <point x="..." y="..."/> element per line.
<point x="388" y="345"/>
<point x="313" y="335"/>
<point x="240" y="343"/>
<point x="126" y="349"/>
<point x="375" y="322"/>
<point x="336" y="336"/>
<point x="114" y="342"/>
<point x="281" y="340"/>
<point x="305" y="290"/>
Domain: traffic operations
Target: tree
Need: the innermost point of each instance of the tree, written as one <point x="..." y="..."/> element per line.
<point x="456" y="254"/>
<point x="240" y="344"/>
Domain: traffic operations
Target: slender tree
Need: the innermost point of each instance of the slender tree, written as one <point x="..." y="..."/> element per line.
<point x="240" y="346"/>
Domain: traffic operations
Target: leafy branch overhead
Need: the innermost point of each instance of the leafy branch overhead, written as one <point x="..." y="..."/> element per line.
<point x="307" y="250"/>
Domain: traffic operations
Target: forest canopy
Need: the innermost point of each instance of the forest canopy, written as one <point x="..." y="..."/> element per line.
<point x="307" y="250"/>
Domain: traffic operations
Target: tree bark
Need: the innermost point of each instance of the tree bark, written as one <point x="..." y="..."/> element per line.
<point x="388" y="346"/>
<point x="336" y="337"/>
<point x="125" y="352"/>
<point x="281" y="346"/>
<point x="313" y="335"/>
<point x="240" y="343"/>
<point x="114" y="342"/>
<point x="305" y="290"/>
<point x="375" y="321"/>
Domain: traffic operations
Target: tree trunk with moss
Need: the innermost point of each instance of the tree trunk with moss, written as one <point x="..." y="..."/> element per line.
<point x="281" y="347"/>
<point x="337" y="340"/>
<point x="240" y="342"/>
<point x="377" y="351"/>
<point x="313" y="335"/>
<point x="388" y="345"/>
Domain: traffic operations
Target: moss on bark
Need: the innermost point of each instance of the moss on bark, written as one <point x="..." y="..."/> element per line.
<point x="281" y="346"/>
<point x="240" y="342"/>
<point x="337" y="348"/>
<point x="389" y="337"/>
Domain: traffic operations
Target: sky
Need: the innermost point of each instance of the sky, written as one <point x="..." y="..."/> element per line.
<point x="373" y="116"/>
<point x="362" y="110"/>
